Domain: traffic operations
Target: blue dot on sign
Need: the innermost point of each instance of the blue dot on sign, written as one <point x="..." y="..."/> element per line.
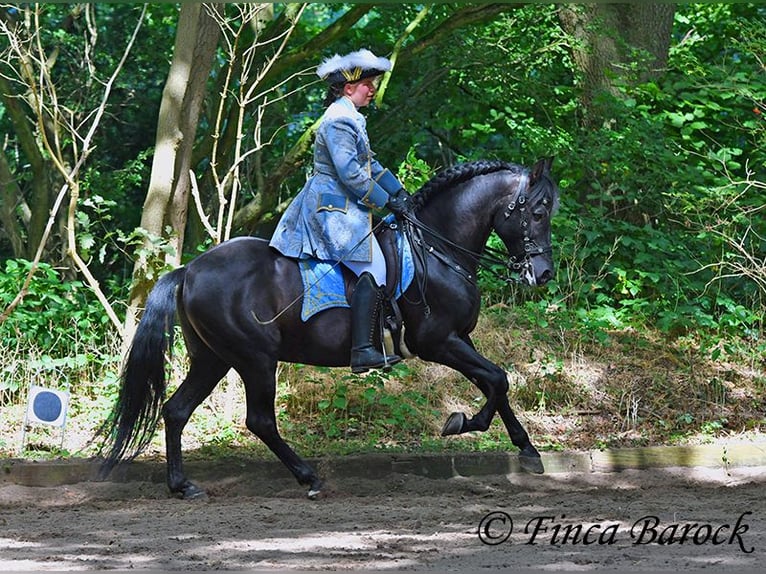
<point x="47" y="406"/>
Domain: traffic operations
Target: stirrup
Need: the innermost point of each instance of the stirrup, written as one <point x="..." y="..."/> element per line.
<point x="369" y="358"/>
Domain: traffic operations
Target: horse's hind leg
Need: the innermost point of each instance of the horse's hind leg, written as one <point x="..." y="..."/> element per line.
<point x="260" y="389"/>
<point x="206" y="370"/>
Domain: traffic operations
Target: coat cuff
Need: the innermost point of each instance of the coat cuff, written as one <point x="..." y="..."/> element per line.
<point x="388" y="181"/>
<point x="376" y="197"/>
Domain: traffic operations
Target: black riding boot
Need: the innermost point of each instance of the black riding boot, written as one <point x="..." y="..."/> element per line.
<point x="365" y="310"/>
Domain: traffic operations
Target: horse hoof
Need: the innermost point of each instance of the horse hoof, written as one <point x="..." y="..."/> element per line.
<point x="315" y="491"/>
<point x="191" y="492"/>
<point x="197" y="494"/>
<point x="454" y="424"/>
<point x="533" y="464"/>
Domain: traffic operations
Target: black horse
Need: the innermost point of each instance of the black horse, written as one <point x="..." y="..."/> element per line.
<point x="221" y="298"/>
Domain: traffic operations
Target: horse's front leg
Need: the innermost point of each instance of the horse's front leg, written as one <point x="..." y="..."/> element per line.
<point x="459" y="423"/>
<point x="491" y="380"/>
<point x="529" y="457"/>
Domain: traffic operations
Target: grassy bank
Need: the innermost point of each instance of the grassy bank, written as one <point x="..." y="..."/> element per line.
<point x="572" y="388"/>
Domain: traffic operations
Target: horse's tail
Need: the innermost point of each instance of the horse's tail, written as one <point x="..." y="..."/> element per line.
<point x="138" y="409"/>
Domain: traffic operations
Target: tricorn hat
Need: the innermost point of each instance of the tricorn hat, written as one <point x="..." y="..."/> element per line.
<point x="352" y="67"/>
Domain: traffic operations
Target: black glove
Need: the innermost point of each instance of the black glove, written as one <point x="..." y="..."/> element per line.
<point x="400" y="204"/>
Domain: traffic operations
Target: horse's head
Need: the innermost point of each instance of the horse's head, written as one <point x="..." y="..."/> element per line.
<point x="524" y="225"/>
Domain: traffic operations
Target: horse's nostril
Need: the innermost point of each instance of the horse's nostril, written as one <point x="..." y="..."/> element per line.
<point x="546" y="276"/>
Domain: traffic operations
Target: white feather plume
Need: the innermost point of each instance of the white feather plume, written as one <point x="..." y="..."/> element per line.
<point x="363" y="59"/>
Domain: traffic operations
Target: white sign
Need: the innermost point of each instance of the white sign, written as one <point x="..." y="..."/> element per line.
<point x="47" y="406"/>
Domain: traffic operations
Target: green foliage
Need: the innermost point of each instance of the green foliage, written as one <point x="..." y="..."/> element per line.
<point x="662" y="202"/>
<point x="47" y="300"/>
<point x="363" y="406"/>
<point x="52" y="330"/>
<point x="637" y="244"/>
<point x="413" y="171"/>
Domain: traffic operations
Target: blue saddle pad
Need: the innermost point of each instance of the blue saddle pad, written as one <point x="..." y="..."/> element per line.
<point x="323" y="280"/>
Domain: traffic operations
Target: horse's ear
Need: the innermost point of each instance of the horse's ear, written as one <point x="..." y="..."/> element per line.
<point x="542" y="167"/>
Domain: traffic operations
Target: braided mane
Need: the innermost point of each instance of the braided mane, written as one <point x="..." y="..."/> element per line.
<point x="459" y="174"/>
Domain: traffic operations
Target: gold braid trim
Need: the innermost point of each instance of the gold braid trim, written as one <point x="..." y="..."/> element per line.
<point x="353" y="74"/>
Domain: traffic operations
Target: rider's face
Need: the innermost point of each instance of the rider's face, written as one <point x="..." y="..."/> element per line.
<point x="361" y="92"/>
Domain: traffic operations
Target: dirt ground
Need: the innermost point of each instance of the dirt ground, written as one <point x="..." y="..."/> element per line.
<point x="672" y="519"/>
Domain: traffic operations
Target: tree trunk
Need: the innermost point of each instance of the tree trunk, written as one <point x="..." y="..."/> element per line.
<point x="39" y="195"/>
<point x="168" y="194"/>
<point x="208" y="34"/>
<point x="10" y="196"/>
<point x="609" y="39"/>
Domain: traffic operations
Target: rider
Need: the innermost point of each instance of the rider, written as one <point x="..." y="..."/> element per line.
<point x="331" y="218"/>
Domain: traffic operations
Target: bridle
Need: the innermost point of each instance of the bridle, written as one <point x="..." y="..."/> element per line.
<point x="531" y="248"/>
<point x="490" y="258"/>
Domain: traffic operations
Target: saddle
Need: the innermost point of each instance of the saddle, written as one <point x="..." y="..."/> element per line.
<point x="329" y="284"/>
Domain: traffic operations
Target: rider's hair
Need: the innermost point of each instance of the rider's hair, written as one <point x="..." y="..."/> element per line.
<point x="334" y="91"/>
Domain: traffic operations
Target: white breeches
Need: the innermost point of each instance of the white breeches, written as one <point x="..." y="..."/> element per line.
<point x="376" y="267"/>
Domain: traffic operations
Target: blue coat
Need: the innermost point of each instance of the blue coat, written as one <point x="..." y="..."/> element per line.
<point x="332" y="214"/>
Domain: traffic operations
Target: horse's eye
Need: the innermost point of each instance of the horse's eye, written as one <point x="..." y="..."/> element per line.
<point x="539" y="214"/>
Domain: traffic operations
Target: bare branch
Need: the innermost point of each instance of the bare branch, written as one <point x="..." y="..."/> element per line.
<point x="71" y="184"/>
<point x="397" y="48"/>
<point x="247" y="95"/>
